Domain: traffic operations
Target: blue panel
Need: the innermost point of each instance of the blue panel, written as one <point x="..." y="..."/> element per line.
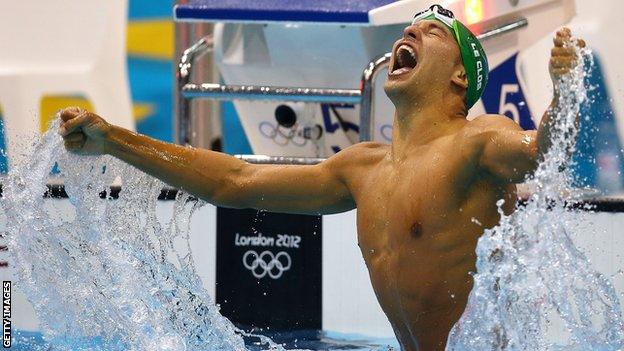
<point x="150" y="82"/>
<point x="598" y="155"/>
<point x="234" y="138"/>
<point x="149" y="9"/>
<point x="503" y="94"/>
<point x="4" y="162"/>
<point x="332" y="11"/>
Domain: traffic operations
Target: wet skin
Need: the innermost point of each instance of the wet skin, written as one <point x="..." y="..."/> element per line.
<point x="422" y="201"/>
<point x="418" y="224"/>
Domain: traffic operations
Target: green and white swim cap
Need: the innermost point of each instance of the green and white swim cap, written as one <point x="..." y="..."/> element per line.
<point x="472" y="53"/>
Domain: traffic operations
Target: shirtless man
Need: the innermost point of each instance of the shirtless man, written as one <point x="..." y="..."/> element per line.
<point x="416" y="198"/>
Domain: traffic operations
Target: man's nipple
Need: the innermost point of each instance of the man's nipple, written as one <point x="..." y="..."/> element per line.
<point x="416" y="230"/>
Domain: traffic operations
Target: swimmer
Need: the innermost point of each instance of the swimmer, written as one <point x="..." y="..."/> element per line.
<point x="423" y="201"/>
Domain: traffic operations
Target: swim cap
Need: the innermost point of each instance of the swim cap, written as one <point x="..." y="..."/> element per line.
<point x="472" y="53"/>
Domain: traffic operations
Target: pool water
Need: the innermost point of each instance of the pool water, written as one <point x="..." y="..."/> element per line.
<point x="315" y="340"/>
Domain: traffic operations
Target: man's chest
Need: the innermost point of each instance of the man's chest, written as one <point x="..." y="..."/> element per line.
<point x="423" y="184"/>
<point x="399" y="202"/>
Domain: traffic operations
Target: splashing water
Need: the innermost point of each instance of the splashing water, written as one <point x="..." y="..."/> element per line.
<point x="110" y="269"/>
<point x="534" y="290"/>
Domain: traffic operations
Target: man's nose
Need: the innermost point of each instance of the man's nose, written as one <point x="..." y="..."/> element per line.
<point x="412" y="32"/>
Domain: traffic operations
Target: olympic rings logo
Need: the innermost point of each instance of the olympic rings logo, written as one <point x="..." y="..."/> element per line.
<point x="267" y="263"/>
<point x="282" y="135"/>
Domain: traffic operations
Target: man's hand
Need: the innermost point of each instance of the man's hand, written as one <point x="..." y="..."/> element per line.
<point x="84" y="132"/>
<point x="563" y="56"/>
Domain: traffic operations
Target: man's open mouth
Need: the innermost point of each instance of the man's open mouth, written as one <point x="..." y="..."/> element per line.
<point x="404" y="60"/>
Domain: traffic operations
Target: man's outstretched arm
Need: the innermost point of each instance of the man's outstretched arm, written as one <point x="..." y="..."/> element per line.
<point x="212" y="176"/>
<point x="563" y="59"/>
<point x="511" y="153"/>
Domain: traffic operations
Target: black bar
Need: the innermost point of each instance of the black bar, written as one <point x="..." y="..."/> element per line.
<point x="57" y="191"/>
<point x="605" y="204"/>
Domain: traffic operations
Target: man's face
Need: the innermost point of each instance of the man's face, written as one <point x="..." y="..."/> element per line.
<point x="423" y="60"/>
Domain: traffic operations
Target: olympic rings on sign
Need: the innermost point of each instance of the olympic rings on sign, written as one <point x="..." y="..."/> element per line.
<point x="282" y="135"/>
<point x="267" y="263"/>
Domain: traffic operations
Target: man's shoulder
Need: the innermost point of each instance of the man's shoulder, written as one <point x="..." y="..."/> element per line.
<point x="491" y="122"/>
<point x="364" y="153"/>
<point x="367" y="146"/>
<point x="364" y="150"/>
<point x="483" y="128"/>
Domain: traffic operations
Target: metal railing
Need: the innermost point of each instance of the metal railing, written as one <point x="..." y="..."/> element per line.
<point x="267" y="93"/>
<point x="187" y="91"/>
<point x="183" y="78"/>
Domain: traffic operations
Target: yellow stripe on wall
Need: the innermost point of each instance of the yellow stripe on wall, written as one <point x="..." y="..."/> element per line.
<point x="142" y="111"/>
<point x="50" y="105"/>
<point x="151" y="38"/>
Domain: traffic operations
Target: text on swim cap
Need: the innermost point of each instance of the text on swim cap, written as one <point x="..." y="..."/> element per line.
<point x="476" y="53"/>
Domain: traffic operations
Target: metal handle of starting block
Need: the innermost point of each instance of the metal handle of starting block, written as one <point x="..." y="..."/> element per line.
<point x="183" y="77"/>
<point x="267" y="93"/>
<point x="503" y="29"/>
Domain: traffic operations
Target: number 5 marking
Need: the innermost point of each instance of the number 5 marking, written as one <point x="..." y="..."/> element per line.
<point x="510" y="107"/>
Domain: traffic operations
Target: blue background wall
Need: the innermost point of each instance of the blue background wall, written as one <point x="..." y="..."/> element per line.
<point x="150" y="65"/>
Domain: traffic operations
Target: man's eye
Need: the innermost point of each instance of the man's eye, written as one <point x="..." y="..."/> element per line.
<point x="436" y="31"/>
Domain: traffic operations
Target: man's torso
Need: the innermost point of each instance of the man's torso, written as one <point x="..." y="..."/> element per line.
<point x="419" y="220"/>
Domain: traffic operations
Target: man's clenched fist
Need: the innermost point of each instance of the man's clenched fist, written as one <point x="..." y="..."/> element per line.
<point x="84" y="132"/>
<point x="564" y="56"/>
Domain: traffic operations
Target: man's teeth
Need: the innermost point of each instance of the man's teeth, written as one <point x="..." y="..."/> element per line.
<point x="409" y="49"/>
<point x="403" y="63"/>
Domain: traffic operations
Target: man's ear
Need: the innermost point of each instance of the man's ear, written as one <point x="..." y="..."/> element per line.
<point x="459" y="78"/>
